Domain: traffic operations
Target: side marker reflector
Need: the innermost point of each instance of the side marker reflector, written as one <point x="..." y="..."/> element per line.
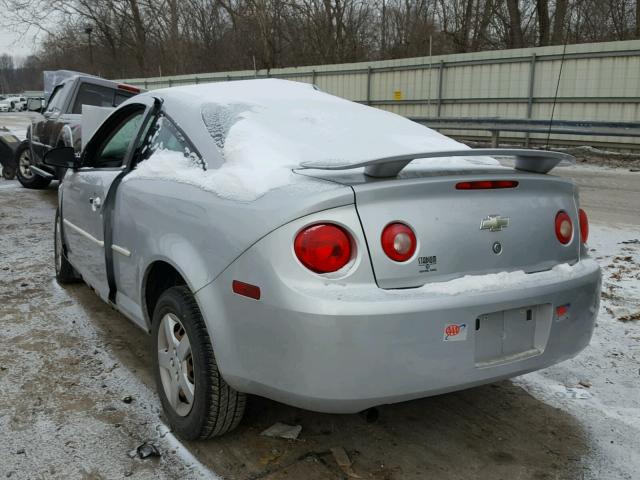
<point x="246" y="289"/>
<point x="562" y="311"/>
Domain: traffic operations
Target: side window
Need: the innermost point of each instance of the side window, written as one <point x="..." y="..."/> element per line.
<point x="96" y="95"/>
<point x="112" y="152"/>
<point x="56" y="99"/>
<point x="166" y="137"/>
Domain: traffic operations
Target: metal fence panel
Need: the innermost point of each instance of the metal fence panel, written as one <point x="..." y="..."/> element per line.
<point x="599" y="82"/>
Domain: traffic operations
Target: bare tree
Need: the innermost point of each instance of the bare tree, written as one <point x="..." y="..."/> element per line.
<point x="158" y="37"/>
<point x="558" y="22"/>
<point x="542" y="11"/>
<point x="515" y="24"/>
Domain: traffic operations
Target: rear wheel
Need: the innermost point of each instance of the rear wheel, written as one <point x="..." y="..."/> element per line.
<point x="27" y="177"/>
<point x="65" y="273"/>
<point x="197" y="401"/>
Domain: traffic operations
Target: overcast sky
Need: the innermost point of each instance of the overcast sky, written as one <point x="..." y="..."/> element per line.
<point x="13" y="44"/>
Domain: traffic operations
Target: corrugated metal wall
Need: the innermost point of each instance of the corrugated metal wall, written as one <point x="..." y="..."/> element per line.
<point x="599" y="82"/>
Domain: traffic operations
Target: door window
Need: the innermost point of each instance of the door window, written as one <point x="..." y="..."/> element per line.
<point x="112" y="153"/>
<point x="167" y="137"/>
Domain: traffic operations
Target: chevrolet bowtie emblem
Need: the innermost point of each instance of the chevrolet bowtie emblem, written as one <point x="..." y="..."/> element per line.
<point x="494" y="223"/>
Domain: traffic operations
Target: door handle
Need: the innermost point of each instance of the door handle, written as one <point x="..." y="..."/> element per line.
<point x="95" y="203"/>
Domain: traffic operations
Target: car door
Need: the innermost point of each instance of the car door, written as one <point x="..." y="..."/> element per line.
<point x="85" y="193"/>
<point x="131" y="223"/>
<point x="44" y="131"/>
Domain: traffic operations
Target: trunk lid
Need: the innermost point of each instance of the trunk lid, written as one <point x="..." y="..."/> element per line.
<point x="447" y="223"/>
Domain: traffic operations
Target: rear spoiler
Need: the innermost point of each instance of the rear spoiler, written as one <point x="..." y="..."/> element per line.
<point x="537" y="161"/>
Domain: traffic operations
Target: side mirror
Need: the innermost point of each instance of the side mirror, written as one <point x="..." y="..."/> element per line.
<point x="64" y="157"/>
<point x="35" y="105"/>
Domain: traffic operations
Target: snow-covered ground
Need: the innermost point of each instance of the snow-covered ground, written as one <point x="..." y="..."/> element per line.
<point x="17" y="122"/>
<point x="601" y="386"/>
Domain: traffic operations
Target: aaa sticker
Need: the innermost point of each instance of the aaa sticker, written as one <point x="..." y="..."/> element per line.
<point x="454" y="332"/>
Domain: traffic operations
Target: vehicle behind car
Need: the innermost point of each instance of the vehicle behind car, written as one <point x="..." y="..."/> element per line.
<point x="59" y="125"/>
<point x="13" y="104"/>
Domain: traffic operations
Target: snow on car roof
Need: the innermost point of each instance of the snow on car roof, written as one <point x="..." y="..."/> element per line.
<point x="289" y="122"/>
<point x="259" y="130"/>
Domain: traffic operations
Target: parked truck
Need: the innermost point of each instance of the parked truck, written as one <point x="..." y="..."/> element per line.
<point x="60" y="122"/>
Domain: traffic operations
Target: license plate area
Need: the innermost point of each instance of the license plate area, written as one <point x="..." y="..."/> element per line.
<point x="511" y="335"/>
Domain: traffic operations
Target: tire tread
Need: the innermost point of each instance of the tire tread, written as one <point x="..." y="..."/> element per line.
<point x="225" y="406"/>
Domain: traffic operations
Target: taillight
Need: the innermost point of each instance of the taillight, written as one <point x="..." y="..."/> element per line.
<point x="398" y="242"/>
<point x="584" y="226"/>
<point x="323" y="248"/>
<point x="486" y="184"/>
<point x="564" y="228"/>
<point x="128" y="88"/>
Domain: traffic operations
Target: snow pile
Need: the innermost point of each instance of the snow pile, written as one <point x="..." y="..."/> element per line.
<point x="469" y="284"/>
<point x="233" y="182"/>
<point x="262" y="129"/>
<point x="498" y="281"/>
<point x="287" y="123"/>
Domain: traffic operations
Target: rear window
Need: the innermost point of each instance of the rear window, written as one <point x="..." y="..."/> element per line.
<point x="99" y="96"/>
<point x="121" y="97"/>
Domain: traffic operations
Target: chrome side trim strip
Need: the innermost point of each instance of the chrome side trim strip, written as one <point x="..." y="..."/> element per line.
<point x="120" y="250"/>
<point x="85" y="234"/>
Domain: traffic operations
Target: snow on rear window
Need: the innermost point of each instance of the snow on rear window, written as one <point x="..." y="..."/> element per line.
<point x="287" y="123"/>
<point x="220" y="118"/>
<point x="263" y="129"/>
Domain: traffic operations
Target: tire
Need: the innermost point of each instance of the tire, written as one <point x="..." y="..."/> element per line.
<point x="215" y="407"/>
<point x="26" y="177"/>
<point x="8" y="172"/>
<point x="65" y="273"/>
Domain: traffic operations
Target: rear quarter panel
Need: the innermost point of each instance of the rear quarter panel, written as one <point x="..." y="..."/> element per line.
<point x="197" y="232"/>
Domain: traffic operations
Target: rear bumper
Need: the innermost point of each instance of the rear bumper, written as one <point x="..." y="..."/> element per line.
<point x="345" y="353"/>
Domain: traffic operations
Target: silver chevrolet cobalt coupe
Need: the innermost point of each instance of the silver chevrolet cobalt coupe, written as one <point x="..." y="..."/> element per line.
<point x="279" y="241"/>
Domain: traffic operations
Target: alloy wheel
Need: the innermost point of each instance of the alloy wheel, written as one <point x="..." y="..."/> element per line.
<point x="175" y="361"/>
<point x="24" y="164"/>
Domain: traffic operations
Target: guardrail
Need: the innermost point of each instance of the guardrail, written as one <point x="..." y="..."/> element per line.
<point x="559" y="127"/>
